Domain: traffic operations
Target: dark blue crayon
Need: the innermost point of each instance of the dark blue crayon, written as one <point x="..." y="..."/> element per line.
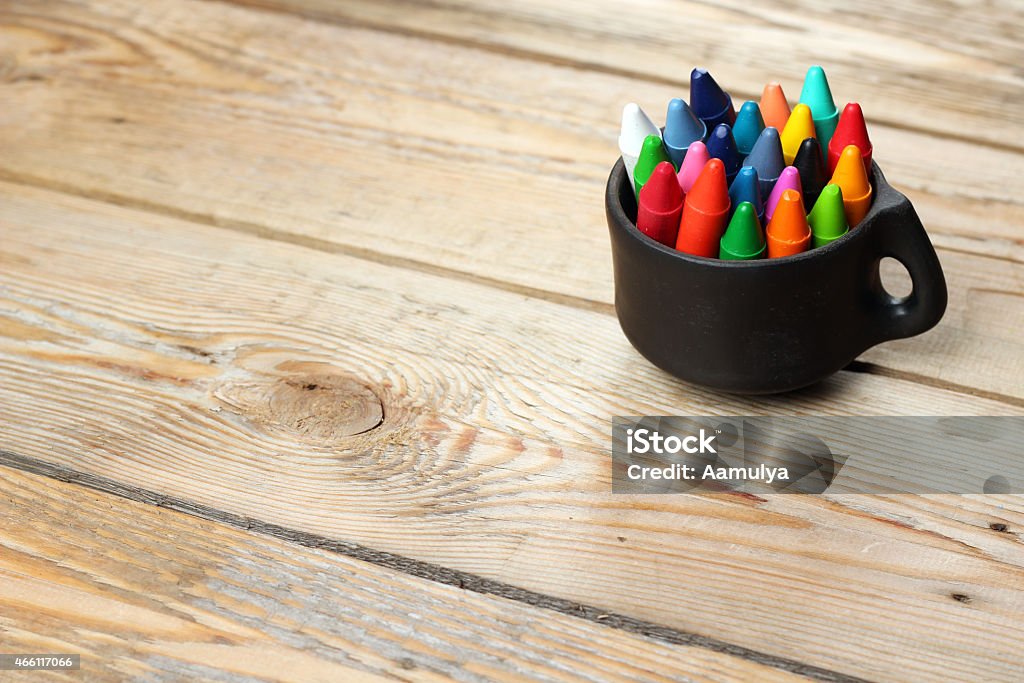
<point x="767" y="158"/>
<point x="811" y="166"/>
<point x="749" y="125"/>
<point x="745" y="188"/>
<point x="682" y="129"/>
<point x="721" y="145"/>
<point x="709" y="102"/>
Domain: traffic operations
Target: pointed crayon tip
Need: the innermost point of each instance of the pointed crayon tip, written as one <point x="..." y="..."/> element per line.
<point x="712" y="104"/>
<point x="789" y="179"/>
<point x="818" y="96"/>
<point x="651" y="154"/>
<point x="722" y="145"/>
<point x="851" y="130"/>
<point x="705" y="212"/>
<point x="743" y="239"/>
<point x="749" y="125"/>
<point x="774" y="107"/>
<point x="811" y="166"/>
<point x="636" y="126"/>
<point x="799" y="127"/>
<point x="745" y="188"/>
<point x="693" y="163"/>
<point x="682" y="128"/>
<point x="788" y="232"/>
<point x="828" y="217"/>
<point x="660" y="205"/>
<point x="767" y="158"/>
<point x="851" y="177"/>
<point x="710" y="193"/>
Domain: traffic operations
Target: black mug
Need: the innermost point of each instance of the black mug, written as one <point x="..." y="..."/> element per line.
<point x="771" y="325"/>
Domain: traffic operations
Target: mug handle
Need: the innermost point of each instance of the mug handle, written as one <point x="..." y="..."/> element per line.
<point x="900" y="235"/>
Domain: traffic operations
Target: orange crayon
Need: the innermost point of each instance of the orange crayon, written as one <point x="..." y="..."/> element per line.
<point x="851" y="177"/>
<point x="774" y="107"/>
<point x="705" y="212"/>
<point x="788" y="232"/>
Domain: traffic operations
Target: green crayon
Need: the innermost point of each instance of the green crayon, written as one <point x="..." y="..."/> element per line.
<point x="828" y="218"/>
<point x="651" y="154"/>
<point x="743" y="239"/>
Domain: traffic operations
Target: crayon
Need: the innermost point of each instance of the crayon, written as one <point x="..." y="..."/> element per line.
<point x="743" y="239"/>
<point x="660" y="205"/>
<point x="818" y="96"/>
<point x="722" y="145"/>
<point x="774" y="107"/>
<point x="705" y="212"/>
<point x="636" y="126"/>
<point x="745" y="188"/>
<point x="766" y="157"/>
<point x="851" y="177"/>
<point x="789" y="179"/>
<point x="788" y="232"/>
<point x="811" y="165"/>
<point x="696" y="157"/>
<point x="651" y="154"/>
<point x="682" y="128"/>
<point x="828" y="217"/>
<point x="749" y="125"/>
<point x="710" y="103"/>
<point x="799" y="127"/>
<point x="851" y="130"/>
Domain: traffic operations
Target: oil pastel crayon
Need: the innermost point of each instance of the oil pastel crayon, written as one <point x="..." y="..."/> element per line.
<point x="743" y="239"/>
<point x="851" y="130"/>
<point x="788" y="232"/>
<point x="660" y="205"/>
<point x="818" y="96"/>
<point x="710" y="103"/>
<point x="774" y="107"/>
<point x="828" y="217"/>
<point x="789" y="179"/>
<point x="722" y="145"/>
<point x="851" y="177"/>
<point x="749" y="125"/>
<point x="799" y="127"/>
<point x="810" y="163"/>
<point x="746" y="188"/>
<point x="651" y="154"/>
<point x="705" y="212"/>
<point x="767" y="158"/>
<point x="636" y="126"/>
<point x="693" y="163"/>
<point x="682" y="128"/>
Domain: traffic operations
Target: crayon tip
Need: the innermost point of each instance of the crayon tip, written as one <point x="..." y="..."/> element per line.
<point x="710" y="192"/>
<point x="693" y="163"/>
<point x="774" y="107"/>
<point x="828" y="217"/>
<point x="651" y="154"/>
<point x="811" y="166"/>
<point x="660" y="205"/>
<point x="745" y="188"/>
<point x="789" y="179"/>
<point x="682" y="128"/>
<point x="712" y="104"/>
<point x="851" y="130"/>
<point x="705" y="212"/>
<point x="766" y="157"/>
<point x="788" y="232"/>
<point x="636" y="126"/>
<point x="818" y="96"/>
<point x="749" y="125"/>
<point x="851" y="177"/>
<point x="722" y="145"/>
<point x="743" y="239"/>
<point x="799" y="127"/>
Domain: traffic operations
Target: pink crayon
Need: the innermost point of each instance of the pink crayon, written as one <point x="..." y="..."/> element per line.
<point x="693" y="163"/>
<point x="789" y="179"/>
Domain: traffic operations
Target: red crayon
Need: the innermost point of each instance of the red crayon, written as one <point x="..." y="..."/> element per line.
<point x="851" y="130"/>
<point x="661" y="205"/>
<point x="705" y="212"/>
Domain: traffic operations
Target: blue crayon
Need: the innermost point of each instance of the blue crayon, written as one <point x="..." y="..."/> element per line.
<point x="746" y="188"/>
<point x="749" y="125"/>
<point x="682" y="128"/>
<point x="710" y="103"/>
<point x="767" y="158"/>
<point x="722" y="145"/>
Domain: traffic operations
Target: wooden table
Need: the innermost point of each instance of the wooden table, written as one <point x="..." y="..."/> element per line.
<point x="308" y="354"/>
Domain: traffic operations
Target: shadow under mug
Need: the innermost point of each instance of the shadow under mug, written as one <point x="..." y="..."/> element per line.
<point x="771" y="325"/>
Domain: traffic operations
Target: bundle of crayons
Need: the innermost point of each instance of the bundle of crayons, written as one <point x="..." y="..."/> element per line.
<point x="732" y="186"/>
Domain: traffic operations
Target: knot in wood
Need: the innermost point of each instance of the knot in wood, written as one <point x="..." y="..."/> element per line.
<point x="323" y="406"/>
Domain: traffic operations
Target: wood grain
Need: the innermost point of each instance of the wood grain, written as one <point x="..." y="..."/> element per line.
<point x="145" y="593"/>
<point x="282" y="127"/>
<point x="156" y="352"/>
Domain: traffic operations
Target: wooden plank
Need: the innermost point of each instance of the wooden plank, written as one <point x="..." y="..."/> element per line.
<point x="141" y="592"/>
<point x="242" y="374"/>
<point x="947" y="69"/>
<point x="289" y="138"/>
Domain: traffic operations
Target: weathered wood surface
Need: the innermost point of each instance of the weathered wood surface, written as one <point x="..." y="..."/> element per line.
<point x="202" y="362"/>
<point x="147" y="593"/>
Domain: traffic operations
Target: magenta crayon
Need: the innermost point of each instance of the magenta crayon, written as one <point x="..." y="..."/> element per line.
<point x="660" y="205"/>
<point x="709" y="102"/>
<point x="789" y="179"/>
<point x="696" y="157"/>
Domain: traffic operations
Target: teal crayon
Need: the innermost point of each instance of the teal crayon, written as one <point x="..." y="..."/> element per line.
<point x="818" y="96"/>
<point x="749" y="125"/>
